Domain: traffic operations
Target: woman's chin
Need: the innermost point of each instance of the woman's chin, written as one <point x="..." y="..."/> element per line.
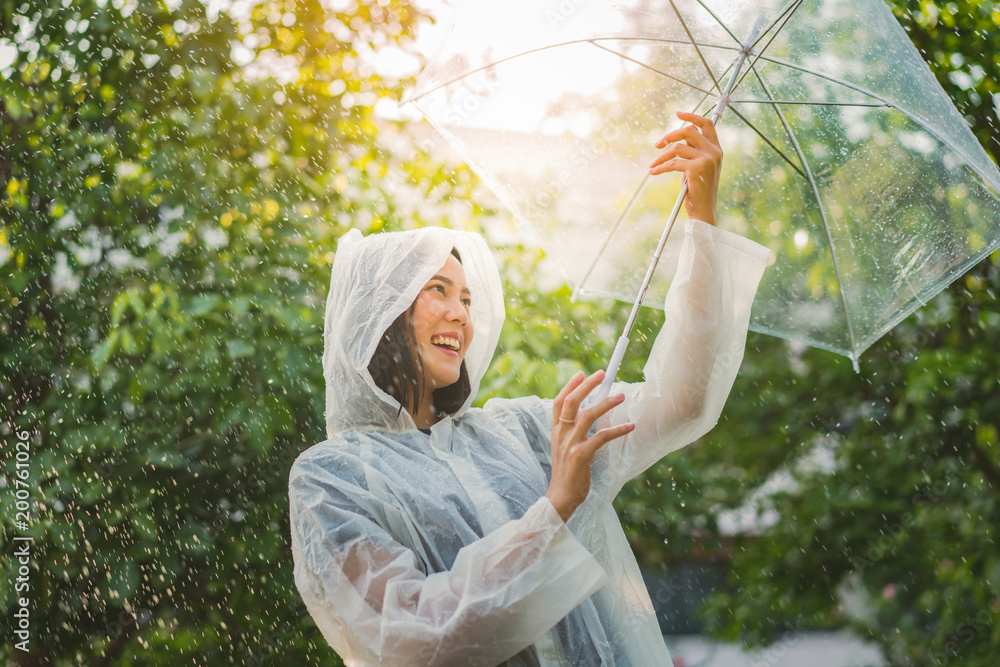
<point x="447" y="369"/>
<point x="441" y="380"/>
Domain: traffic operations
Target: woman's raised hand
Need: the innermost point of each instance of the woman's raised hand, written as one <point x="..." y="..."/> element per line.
<point x="572" y="448"/>
<point x="695" y="150"/>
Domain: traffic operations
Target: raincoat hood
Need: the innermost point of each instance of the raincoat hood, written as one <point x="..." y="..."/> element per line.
<point x="375" y="279"/>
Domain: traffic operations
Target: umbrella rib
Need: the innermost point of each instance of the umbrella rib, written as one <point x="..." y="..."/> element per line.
<point x="618" y="222"/>
<point x="590" y="40"/>
<point x="635" y="196"/>
<point x="788" y="12"/>
<point x="783" y="16"/>
<point x="817" y="104"/>
<point x="593" y="41"/>
<point x="822" y="212"/>
<point x="651" y="68"/>
<point x="694" y="43"/>
<point x="833" y="79"/>
<point x="719" y="21"/>
<point x="614" y="230"/>
<point x="769" y="143"/>
<point x="883" y="103"/>
<point x="626" y="38"/>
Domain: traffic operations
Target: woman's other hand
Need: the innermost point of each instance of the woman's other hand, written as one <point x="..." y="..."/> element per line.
<point x="695" y="150"/>
<point x="572" y="448"/>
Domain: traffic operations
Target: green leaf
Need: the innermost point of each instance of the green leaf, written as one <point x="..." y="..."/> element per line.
<point x="123" y="579"/>
<point x="103" y="351"/>
<point x="239" y="349"/>
<point x="194" y="538"/>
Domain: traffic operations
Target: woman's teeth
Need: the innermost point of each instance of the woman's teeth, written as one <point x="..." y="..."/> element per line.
<point x="446" y="341"/>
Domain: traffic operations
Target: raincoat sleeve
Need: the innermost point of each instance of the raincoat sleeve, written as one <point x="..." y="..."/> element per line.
<point x="375" y="604"/>
<point x="695" y="358"/>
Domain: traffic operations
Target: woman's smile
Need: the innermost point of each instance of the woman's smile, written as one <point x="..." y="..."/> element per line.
<point x="450" y="343"/>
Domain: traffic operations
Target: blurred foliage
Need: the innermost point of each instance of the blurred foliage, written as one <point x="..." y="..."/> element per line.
<point x="173" y="181"/>
<point x="548" y="337"/>
<point x="870" y="500"/>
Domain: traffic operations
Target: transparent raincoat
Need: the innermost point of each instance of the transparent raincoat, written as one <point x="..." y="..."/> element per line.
<point x="441" y="549"/>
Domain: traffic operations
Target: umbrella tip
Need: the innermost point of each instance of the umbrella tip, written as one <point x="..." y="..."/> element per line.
<point x="856" y="364"/>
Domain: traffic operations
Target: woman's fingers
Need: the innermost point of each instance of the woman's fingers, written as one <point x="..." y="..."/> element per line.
<point x="676" y="164"/>
<point x="688" y="156"/>
<point x="576" y="396"/>
<point x="704" y="124"/>
<point x="587" y="418"/>
<point x="559" y="402"/>
<point x="697" y="153"/>
<point x="701" y="133"/>
<point x="606" y="435"/>
<point x="688" y="133"/>
<point x="572" y="449"/>
<point x="701" y="130"/>
<point x="678" y="154"/>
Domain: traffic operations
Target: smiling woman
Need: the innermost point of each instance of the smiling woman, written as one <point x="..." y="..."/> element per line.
<point x="428" y="532"/>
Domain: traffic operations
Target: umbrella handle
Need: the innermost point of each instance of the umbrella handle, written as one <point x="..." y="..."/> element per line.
<point x="613" y="366"/>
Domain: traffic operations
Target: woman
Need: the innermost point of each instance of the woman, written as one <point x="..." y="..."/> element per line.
<point x="425" y="532"/>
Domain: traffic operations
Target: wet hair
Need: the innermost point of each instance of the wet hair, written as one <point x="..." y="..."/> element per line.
<point x="398" y="371"/>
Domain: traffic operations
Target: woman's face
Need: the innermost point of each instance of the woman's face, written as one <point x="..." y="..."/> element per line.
<point x="442" y="325"/>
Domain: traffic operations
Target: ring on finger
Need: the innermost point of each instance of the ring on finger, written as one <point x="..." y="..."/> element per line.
<point x="568" y="421"/>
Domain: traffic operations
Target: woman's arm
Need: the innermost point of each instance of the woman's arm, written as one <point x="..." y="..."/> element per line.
<point x="697" y="353"/>
<point x="695" y="358"/>
<point x="374" y="604"/>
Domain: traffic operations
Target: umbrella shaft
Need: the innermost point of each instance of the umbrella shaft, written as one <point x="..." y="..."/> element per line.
<point x="723" y="102"/>
<point x="616" y="357"/>
<point x="656" y="256"/>
<point x="720" y="107"/>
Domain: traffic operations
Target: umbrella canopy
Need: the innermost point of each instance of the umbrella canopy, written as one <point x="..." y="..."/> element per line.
<point x="843" y="153"/>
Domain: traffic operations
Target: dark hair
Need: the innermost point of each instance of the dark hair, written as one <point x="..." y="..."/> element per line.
<point x="398" y="371"/>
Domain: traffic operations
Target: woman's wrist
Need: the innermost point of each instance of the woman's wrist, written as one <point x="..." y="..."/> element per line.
<point x="563" y="508"/>
<point x="705" y="215"/>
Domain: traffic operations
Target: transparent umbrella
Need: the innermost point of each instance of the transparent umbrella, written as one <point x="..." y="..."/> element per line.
<point x="843" y="153"/>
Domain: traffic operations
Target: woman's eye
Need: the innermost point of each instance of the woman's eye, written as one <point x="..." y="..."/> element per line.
<point x="439" y="288"/>
<point x="467" y="303"/>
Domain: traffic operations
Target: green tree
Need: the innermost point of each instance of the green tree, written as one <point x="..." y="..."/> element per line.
<point x="173" y="181"/>
<point x="173" y="178"/>
<point x="886" y="519"/>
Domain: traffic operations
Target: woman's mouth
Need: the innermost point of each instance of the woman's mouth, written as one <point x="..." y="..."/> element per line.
<point x="447" y="342"/>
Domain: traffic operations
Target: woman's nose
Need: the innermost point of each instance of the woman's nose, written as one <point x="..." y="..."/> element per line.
<point x="457" y="311"/>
